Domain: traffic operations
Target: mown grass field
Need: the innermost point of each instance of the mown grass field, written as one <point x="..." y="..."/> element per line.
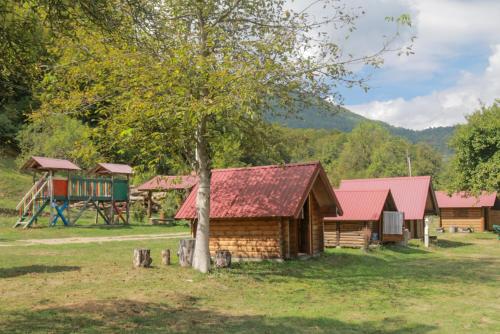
<point x="92" y="288"/>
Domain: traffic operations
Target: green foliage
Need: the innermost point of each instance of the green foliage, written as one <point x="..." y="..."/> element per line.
<point x="345" y="120"/>
<point x="57" y="136"/>
<point x="22" y="53"/>
<point x="138" y="212"/>
<point x="368" y="151"/>
<point x="171" y="202"/>
<point x="476" y="164"/>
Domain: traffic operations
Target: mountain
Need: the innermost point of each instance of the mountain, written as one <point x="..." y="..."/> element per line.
<point x="345" y="120"/>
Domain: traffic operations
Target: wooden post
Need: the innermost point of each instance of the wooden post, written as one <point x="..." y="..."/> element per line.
<point x="150" y="202"/>
<point x="69" y="201"/>
<point x="185" y="252"/>
<point x="142" y="258"/>
<point x="165" y="257"/>
<point x="338" y="233"/>
<point x="112" y="200"/>
<point x="128" y="199"/>
<point x="96" y="213"/>
<point x="222" y="259"/>
<point x="51" y="196"/>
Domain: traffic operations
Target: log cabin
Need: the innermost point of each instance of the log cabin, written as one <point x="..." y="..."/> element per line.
<point x="267" y="212"/>
<point x="464" y="211"/>
<point x="364" y="211"/>
<point x="413" y="196"/>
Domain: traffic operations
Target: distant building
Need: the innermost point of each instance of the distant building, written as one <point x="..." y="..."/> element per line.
<point x="413" y="196"/>
<point x="462" y="210"/>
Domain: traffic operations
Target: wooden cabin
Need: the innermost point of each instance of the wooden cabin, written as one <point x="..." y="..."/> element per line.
<point x="461" y="210"/>
<point x="268" y="212"/>
<point x="364" y="211"/>
<point x="413" y="196"/>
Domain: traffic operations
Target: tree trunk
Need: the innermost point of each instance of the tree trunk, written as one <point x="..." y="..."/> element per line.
<point x="165" y="257"/>
<point x="142" y="258"/>
<point x="223" y="259"/>
<point x="185" y="252"/>
<point x="201" y="260"/>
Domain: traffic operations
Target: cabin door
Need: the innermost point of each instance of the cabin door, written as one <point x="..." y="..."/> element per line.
<point x="303" y="229"/>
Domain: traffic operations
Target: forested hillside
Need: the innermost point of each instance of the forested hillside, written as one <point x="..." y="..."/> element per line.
<point x="345" y="120"/>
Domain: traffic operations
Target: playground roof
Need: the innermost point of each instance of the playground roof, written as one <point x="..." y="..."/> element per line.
<point x="47" y="164"/>
<point x="462" y="200"/>
<point x="169" y="182"/>
<point x="265" y="191"/>
<point x="107" y="168"/>
<point x="409" y="193"/>
<point x="361" y="205"/>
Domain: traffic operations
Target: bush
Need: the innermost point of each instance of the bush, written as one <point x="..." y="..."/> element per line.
<point x="170" y="204"/>
<point x="138" y="212"/>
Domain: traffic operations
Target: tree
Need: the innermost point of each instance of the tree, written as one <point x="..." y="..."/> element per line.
<point x="476" y="163"/>
<point x="57" y="136"/>
<point x="22" y="53"/>
<point x="209" y="63"/>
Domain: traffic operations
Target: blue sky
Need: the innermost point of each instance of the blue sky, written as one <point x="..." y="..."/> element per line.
<point x="455" y="66"/>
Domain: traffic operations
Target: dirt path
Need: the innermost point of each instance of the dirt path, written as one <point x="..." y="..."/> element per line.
<point x="84" y="240"/>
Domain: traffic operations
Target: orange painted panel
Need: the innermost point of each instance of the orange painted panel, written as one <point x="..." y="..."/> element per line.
<point x="60" y="187"/>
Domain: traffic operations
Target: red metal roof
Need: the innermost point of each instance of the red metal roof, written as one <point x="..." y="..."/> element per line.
<point x="462" y="200"/>
<point x="170" y="182"/>
<point x="43" y="163"/>
<point x="409" y="193"/>
<point x="361" y="205"/>
<point x="107" y="168"/>
<point x="265" y="191"/>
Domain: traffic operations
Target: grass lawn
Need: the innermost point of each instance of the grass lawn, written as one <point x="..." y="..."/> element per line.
<point x="84" y="228"/>
<point x="13" y="184"/>
<point x="92" y="288"/>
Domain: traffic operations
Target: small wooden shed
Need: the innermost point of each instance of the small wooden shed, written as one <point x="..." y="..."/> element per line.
<point x="267" y="212"/>
<point x="364" y="211"/>
<point x="461" y="210"/>
<point x="413" y="196"/>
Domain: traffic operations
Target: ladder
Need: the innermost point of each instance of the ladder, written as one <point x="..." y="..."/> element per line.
<point x="33" y="202"/>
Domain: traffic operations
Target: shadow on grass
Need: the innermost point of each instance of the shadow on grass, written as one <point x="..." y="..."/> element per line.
<point x="34" y="269"/>
<point x="355" y="271"/>
<point x="405" y="250"/>
<point x="443" y="243"/>
<point x="128" y="316"/>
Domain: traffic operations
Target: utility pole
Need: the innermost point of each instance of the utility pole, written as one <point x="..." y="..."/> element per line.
<point x="408" y="159"/>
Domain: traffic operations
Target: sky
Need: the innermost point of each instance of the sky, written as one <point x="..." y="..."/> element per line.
<point x="455" y="68"/>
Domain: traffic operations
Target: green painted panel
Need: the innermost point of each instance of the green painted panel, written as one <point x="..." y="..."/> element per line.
<point x="120" y="190"/>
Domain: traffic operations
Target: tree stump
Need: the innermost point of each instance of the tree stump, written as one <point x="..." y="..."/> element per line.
<point x="186" y="252"/>
<point x="165" y="257"/>
<point x="142" y="258"/>
<point x="222" y="259"/>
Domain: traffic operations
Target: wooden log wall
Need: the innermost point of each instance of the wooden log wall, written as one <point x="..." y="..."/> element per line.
<point x="247" y="238"/>
<point x="493" y="218"/>
<point x="346" y="234"/>
<point x="463" y="217"/>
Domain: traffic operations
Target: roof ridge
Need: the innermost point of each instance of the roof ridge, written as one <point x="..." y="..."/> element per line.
<point x="297" y="164"/>
<point x="363" y="190"/>
<point x="386" y="178"/>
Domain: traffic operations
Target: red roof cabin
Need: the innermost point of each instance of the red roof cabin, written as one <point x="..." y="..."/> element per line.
<point x="413" y="196"/>
<point x="373" y="212"/>
<point x="267" y="212"/>
<point x="465" y="211"/>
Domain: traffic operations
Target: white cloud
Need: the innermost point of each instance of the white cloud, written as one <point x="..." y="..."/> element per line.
<point x="440" y="108"/>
